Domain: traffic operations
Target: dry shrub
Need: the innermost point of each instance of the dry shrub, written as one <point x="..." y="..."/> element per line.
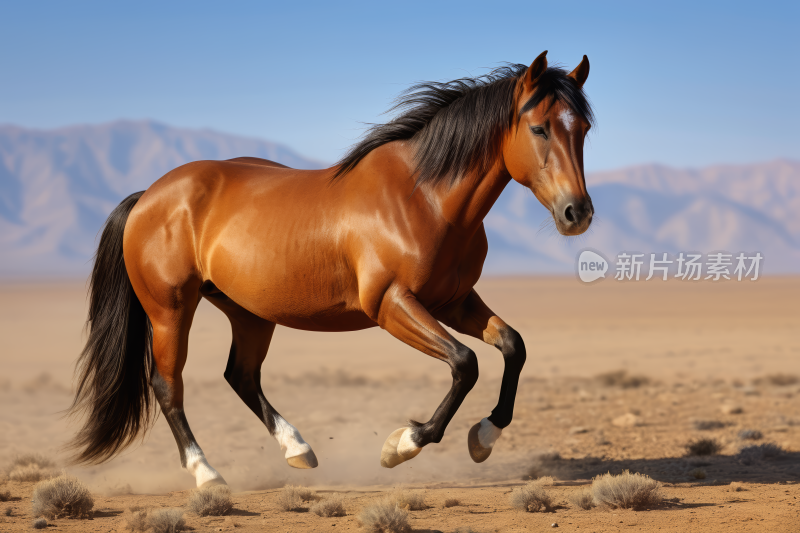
<point x="778" y="380"/>
<point x="736" y="487"/>
<point x="531" y="498"/>
<point x="452" y="502"/>
<point x="63" y="496"/>
<point x="621" y="379"/>
<point x="750" y="434"/>
<point x="31" y="467"/>
<point x="703" y="447"/>
<point x="137" y="521"/>
<point x="166" y="521"/>
<point x="626" y="491"/>
<point x="582" y="499"/>
<point x="707" y="425"/>
<point x="289" y="498"/>
<point x="5" y="495"/>
<point x="384" y="516"/>
<point x="329" y="507"/>
<point x="39" y="523"/>
<point x="410" y="500"/>
<point x="211" y="501"/>
<point x="698" y="473"/>
<point x="751" y="455"/>
<point x="307" y="495"/>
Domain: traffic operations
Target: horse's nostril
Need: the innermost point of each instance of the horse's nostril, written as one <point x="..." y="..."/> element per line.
<point x="569" y="213"/>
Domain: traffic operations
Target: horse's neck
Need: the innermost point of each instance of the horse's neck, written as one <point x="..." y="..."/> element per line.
<point x="466" y="204"/>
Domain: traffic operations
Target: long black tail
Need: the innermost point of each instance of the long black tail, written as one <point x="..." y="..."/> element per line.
<point x="113" y="390"/>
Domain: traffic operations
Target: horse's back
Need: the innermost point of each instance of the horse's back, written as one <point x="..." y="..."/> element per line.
<point x="257" y="161"/>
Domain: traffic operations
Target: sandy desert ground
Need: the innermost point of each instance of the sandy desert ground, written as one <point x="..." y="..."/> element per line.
<point x="664" y="355"/>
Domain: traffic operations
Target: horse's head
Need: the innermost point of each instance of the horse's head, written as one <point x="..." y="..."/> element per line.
<point x="544" y="150"/>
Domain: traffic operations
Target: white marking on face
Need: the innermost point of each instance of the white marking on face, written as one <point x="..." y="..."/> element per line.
<point x="488" y="433"/>
<point x="198" y="466"/>
<point x="567" y="118"/>
<point x="289" y="438"/>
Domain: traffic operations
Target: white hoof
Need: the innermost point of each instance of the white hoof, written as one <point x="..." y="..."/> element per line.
<point x="398" y="448"/>
<point x="298" y="452"/>
<point x="304" y="460"/>
<point x="481" y="439"/>
<point x="204" y="474"/>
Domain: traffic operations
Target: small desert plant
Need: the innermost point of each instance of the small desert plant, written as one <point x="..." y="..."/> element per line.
<point x="410" y="500"/>
<point x="626" y="490"/>
<point x="736" y="487"/>
<point x="307" y="495"/>
<point x="750" y="455"/>
<point x="703" y="447"/>
<point x="289" y="498"/>
<point x="5" y="495"/>
<point x="138" y="520"/>
<point x="452" y="502"/>
<point x="39" y="523"/>
<point x="750" y="434"/>
<point x="698" y="473"/>
<point x="622" y="379"/>
<point x="329" y="507"/>
<point x="531" y="497"/>
<point x="9" y="511"/>
<point x="166" y="521"/>
<point x="582" y="499"/>
<point x="707" y="425"/>
<point x="31" y="467"/>
<point x="211" y="501"/>
<point x="384" y="516"/>
<point x="779" y="380"/>
<point x="63" y="496"/>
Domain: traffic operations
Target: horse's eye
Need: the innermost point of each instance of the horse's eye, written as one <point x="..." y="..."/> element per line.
<point x="539" y="131"/>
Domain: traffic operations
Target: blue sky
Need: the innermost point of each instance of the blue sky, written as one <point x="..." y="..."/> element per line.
<point x="679" y="83"/>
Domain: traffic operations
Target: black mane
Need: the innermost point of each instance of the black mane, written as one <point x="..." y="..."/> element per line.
<point x="456" y="126"/>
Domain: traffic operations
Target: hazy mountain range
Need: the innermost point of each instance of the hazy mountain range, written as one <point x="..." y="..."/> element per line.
<point x="58" y="186"/>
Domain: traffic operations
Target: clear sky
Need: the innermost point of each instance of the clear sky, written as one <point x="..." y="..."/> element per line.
<point x="680" y="83"/>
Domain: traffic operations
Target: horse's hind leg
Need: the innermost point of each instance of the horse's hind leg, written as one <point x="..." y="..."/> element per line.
<point x="171" y="324"/>
<point x="251" y="339"/>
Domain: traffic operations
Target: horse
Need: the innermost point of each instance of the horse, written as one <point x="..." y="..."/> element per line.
<point x="391" y="236"/>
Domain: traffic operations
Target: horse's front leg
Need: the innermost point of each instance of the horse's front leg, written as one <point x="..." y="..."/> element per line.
<point x="405" y="318"/>
<point x="472" y="317"/>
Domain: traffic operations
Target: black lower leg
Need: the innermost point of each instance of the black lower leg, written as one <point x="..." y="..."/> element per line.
<point x="176" y="418"/>
<point x="464" y="365"/>
<point x="514" y="355"/>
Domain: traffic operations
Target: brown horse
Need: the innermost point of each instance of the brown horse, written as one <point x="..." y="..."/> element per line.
<point x="392" y="236"/>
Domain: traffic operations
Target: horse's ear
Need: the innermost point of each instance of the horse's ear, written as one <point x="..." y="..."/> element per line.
<point x="581" y="72"/>
<point x="536" y="69"/>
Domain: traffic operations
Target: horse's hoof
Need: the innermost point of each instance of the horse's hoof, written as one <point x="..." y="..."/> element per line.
<point x="481" y="440"/>
<point x="398" y="448"/>
<point x="304" y="460"/>
<point x="212" y="482"/>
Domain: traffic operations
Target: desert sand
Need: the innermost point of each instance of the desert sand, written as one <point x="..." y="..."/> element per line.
<point x="619" y="376"/>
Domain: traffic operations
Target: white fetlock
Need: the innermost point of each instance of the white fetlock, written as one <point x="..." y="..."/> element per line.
<point x="399" y="448"/>
<point x="204" y="474"/>
<point x="298" y="452"/>
<point x="481" y="439"/>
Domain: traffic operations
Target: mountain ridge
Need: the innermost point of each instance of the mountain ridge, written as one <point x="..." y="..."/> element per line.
<point x="58" y="186"/>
